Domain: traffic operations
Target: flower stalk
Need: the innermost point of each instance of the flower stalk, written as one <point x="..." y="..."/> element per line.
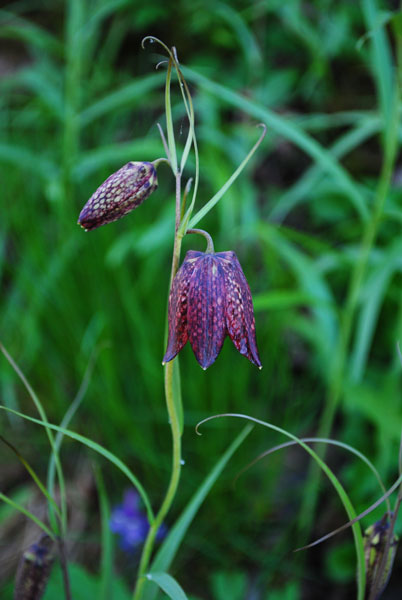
<point x="220" y="281"/>
<point x="174" y="420"/>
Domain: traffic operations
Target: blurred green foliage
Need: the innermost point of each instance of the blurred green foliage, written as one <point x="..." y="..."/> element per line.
<point x="79" y="98"/>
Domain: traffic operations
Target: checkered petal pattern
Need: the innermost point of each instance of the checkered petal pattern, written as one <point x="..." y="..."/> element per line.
<point x="119" y="194"/>
<point x="210" y="299"/>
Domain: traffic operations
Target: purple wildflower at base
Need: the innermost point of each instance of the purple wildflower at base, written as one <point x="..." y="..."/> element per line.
<point x="210" y="299"/>
<point x="130" y="523"/>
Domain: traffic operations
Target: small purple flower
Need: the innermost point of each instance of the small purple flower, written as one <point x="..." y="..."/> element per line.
<point x="130" y="523"/>
<point x="119" y="194"/>
<point x="210" y="299"/>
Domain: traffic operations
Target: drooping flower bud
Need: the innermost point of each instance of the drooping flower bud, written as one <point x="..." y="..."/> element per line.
<point x="119" y="194"/>
<point x="210" y="299"/>
<point x="34" y="570"/>
<point x="375" y="542"/>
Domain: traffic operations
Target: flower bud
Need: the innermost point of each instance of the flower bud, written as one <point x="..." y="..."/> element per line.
<point x="375" y="542"/>
<point x="34" y="570"/>
<point x="119" y="194"/>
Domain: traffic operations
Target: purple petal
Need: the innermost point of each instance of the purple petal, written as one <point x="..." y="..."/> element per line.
<point x="205" y="312"/>
<point x="178" y="300"/>
<point x="239" y="309"/>
<point x="131" y="503"/>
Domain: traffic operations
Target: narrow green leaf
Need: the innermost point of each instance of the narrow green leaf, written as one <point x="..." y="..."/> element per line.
<point x="330" y="442"/>
<point x="169" y="547"/>
<point x="33" y="474"/>
<point x="284" y="299"/>
<point x="16" y="27"/>
<point x="169" y="120"/>
<point x="106" y="586"/>
<point x="34" y="163"/>
<point x="45" y="424"/>
<point x="381" y="59"/>
<point x="371" y="299"/>
<point x="301" y="189"/>
<point x="290" y="131"/>
<point x="356" y="529"/>
<point x="115" y="154"/>
<point x="168" y="585"/>
<point x="311" y="282"/>
<point x="74" y="406"/>
<point x="211" y="203"/>
<point x="97" y="448"/>
<point x="125" y="96"/>
<point x="28" y="514"/>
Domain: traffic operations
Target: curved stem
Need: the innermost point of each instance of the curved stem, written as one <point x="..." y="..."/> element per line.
<point x="174" y="421"/>
<point x="210" y="244"/>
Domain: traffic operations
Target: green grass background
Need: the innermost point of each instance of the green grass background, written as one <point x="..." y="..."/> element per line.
<point x="79" y="98"/>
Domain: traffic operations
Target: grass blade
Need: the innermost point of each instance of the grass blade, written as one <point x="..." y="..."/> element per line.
<point x="97" y="448"/>
<point x="168" y="585"/>
<point x="290" y="131"/>
<point x="125" y="96"/>
<point x="356" y="529"/>
<point x="168" y="549"/>
<point x="28" y="514"/>
<point x="106" y="588"/>
<point x="381" y="59"/>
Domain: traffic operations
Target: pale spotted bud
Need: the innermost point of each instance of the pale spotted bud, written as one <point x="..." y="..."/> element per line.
<point x="34" y="570"/>
<point x="119" y="194"/>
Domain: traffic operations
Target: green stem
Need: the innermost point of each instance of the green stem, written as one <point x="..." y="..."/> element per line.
<point x="337" y="376"/>
<point x="210" y="245"/>
<point x="174" y="420"/>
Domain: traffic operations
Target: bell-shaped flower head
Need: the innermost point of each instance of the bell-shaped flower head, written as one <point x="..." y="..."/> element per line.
<point x="210" y="299"/>
<point x="119" y="194"/>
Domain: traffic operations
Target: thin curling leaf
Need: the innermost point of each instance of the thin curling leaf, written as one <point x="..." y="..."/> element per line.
<point x="123" y="191"/>
<point x="215" y="199"/>
<point x="210" y="299"/>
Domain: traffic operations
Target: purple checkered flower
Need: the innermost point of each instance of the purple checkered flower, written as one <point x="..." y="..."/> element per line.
<point x="210" y="299"/>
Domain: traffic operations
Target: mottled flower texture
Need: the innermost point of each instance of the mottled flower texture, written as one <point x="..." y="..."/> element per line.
<point x="210" y="299"/>
<point x="130" y="523"/>
<point x="119" y="194"/>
